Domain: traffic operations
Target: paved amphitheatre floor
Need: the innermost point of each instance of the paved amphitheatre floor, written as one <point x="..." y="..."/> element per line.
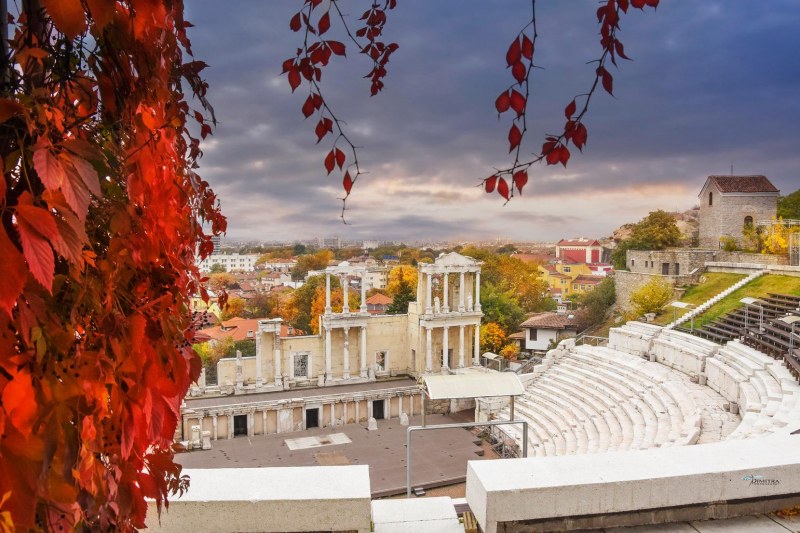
<point x="440" y="456"/>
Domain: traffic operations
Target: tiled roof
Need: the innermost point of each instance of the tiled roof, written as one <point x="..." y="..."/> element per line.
<point x="379" y="299"/>
<point x="550" y="320"/>
<point x="743" y="184"/>
<point x="237" y="328"/>
<point x="534" y="258"/>
<point x="578" y="242"/>
<point x="592" y="280"/>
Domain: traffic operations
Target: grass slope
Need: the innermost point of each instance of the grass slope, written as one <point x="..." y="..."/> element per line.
<point x="713" y="284"/>
<point x="758" y="288"/>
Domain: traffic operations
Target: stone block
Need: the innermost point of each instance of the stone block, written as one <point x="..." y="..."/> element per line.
<point x="403" y="419"/>
<point x="372" y="424"/>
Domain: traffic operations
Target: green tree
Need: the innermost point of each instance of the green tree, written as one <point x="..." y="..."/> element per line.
<point x="501" y="306"/>
<point x="596" y="303"/>
<point x="656" y="231"/>
<point x="511" y="274"/>
<point x="789" y="206"/>
<point x="218" y="268"/>
<point x="403" y="295"/>
<point x="651" y="297"/>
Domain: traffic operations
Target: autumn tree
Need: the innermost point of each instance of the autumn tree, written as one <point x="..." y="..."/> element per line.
<point x="221" y="280"/>
<point x="401" y="277"/>
<point x="234" y="307"/>
<point x="298" y="308"/>
<point x="492" y="337"/>
<point x="316" y="261"/>
<point x="596" y="303"/>
<point x="651" y="297"/>
<point x="403" y="295"/>
<point x="337" y="304"/>
<point x="217" y="268"/>
<point x="101" y="215"/>
<point x="517" y="277"/>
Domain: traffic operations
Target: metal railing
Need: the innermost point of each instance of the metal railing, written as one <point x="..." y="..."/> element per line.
<point x="411" y="429"/>
<point x="591" y="340"/>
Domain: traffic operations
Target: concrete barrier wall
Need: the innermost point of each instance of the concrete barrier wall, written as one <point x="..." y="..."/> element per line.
<point x="524" y="494"/>
<point x="318" y="498"/>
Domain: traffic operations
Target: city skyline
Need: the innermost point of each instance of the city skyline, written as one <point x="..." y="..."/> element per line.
<point x="712" y="86"/>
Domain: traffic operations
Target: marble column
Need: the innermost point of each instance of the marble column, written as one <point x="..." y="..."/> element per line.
<point x="363" y="349"/>
<point x="277" y="360"/>
<point x="428" y="349"/>
<point x="345" y="294"/>
<point x="446" y="348"/>
<point x="364" y="291"/>
<point x="446" y="302"/>
<point x="461" y="293"/>
<point x="251" y="424"/>
<point x="358" y="409"/>
<point x="264" y="422"/>
<point x="344" y="412"/>
<point x="230" y="426"/>
<point x="477" y="346"/>
<point x="327" y="293"/>
<point x="461" y="346"/>
<point x="346" y="362"/>
<point x="428" y="300"/>
<point x="333" y="414"/>
<point x="214" y="426"/>
<point x="477" y="292"/>
<point x="328" y="332"/>
<point x="411" y="407"/>
<point x="259" y="375"/>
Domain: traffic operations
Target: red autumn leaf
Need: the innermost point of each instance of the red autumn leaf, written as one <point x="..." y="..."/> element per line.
<point x="329" y="161"/>
<point x="514" y="53"/>
<point x="296" y="22"/>
<point x="623" y="5"/>
<point x="608" y="82"/>
<point x="336" y="47"/>
<point x="324" y="23"/>
<point x="520" y="179"/>
<point x="102" y="12"/>
<point x="517" y="102"/>
<point x="19" y="402"/>
<point x="347" y="182"/>
<point x="518" y="71"/>
<point x="570" y="109"/>
<point x="37" y="250"/>
<point x="638" y="4"/>
<point x="88" y="174"/>
<point x="13" y="278"/>
<point x="620" y="49"/>
<point x="514" y="137"/>
<point x="563" y="155"/>
<point x="48" y="167"/>
<point x="8" y="108"/>
<point x="294" y="78"/>
<point x="502" y="188"/>
<point x="548" y="147"/>
<point x="75" y="193"/>
<point x="652" y="3"/>
<point x="70" y="239"/>
<point x="489" y="184"/>
<point x="287" y="65"/>
<point x="553" y="156"/>
<point x="308" y="107"/>
<point x="579" y="135"/>
<point x="323" y="127"/>
<point x="527" y="47"/>
<point x="68" y="16"/>
<point x="340" y="158"/>
<point x="205" y="130"/>
<point x="503" y="102"/>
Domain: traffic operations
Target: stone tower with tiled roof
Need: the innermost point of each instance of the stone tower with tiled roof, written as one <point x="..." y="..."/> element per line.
<point x="728" y="203"/>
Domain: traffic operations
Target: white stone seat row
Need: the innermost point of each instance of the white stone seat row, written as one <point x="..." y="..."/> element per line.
<point x="592" y="399"/>
<point x="683" y="352"/>
<point x="633" y="337"/>
<point x="767" y="394"/>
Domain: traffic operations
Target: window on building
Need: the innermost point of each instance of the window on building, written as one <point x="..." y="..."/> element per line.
<point x="633" y="262"/>
<point x="301" y="365"/>
<point x="748" y="222"/>
<point x="532" y="334"/>
<point x="567" y="269"/>
<point x="677" y="269"/>
<point x="711" y="198"/>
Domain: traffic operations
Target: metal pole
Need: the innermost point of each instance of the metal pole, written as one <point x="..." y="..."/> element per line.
<point x="511" y="416"/>
<point x="411" y="429"/>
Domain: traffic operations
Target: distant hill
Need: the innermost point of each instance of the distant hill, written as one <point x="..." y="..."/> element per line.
<point x="687" y="221"/>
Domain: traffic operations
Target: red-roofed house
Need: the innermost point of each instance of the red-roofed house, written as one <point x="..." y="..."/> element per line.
<point x="579" y="250"/>
<point x="378" y="303"/>
<point x="542" y="329"/>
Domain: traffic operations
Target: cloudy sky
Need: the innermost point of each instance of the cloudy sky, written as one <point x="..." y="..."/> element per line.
<point x="712" y="84"/>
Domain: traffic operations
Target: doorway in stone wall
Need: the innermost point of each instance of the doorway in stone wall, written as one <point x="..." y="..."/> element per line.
<point x="239" y="425"/>
<point x="377" y="410"/>
<point x="312" y="418"/>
